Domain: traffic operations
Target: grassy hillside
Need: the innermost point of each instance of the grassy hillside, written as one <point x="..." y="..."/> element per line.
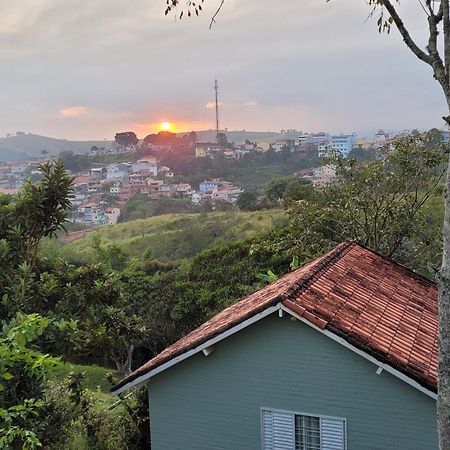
<point x="172" y="236"/>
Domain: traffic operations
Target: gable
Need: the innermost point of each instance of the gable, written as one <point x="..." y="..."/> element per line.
<point x="283" y="364"/>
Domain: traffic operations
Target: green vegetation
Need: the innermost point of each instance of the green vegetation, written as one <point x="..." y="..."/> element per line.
<point x="141" y="207"/>
<point x="251" y="172"/>
<point x="96" y="377"/>
<point x="172" y="236"/>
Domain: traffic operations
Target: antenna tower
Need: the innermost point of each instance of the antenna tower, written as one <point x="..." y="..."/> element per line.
<point x="216" y="88"/>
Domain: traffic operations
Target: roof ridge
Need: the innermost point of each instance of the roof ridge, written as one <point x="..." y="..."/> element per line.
<point x="317" y="270"/>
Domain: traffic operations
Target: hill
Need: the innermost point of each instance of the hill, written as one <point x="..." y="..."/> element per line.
<point x="172" y="236"/>
<point x="28" y="145"/>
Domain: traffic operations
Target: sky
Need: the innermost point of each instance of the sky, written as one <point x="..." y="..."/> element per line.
<point x="86" y="70"/>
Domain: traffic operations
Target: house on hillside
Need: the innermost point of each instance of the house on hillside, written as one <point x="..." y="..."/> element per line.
<point x="340" y="354"/>
<point x="98" y="173"/>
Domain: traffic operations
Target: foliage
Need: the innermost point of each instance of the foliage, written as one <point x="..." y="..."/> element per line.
<point x="74" y="162"/>
<point x="378" y="203"/>
<point x="126" y="139"/>
<point x="289" y="188"/>
<point x="247" y="201"/>
<point x="23" y="372"/>
<point x="39" y="210"/>
<point x="74" y="420"/>
<point x="222" y="139"/>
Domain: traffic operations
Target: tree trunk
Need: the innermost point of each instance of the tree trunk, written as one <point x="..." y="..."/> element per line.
<point x="124" y="367"/>
<point x="443" y="400"/>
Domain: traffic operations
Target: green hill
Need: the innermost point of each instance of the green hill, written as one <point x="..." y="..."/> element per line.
<point x="28" y="145"/>
<point x="172" y="236"/>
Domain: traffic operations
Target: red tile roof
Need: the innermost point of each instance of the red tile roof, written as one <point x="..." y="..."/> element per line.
<point x="378" y="306"/>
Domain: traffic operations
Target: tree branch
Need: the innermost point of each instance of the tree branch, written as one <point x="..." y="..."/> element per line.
<point x="215" y="14"/>
<point x="405" y="34"/>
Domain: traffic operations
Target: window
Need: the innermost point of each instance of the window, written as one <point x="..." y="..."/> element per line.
<point x="284" y="430"/>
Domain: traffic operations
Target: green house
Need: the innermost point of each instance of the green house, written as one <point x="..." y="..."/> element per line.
<point x="340" y="354"/>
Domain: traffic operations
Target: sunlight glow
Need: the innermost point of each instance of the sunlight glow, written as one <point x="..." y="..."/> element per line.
<point x="166" y="126"/>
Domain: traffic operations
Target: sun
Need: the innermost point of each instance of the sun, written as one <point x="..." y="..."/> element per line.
<point x="166" y="126"/>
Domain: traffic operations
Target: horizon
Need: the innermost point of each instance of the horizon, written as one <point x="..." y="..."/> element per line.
<point x="129" y="70"/>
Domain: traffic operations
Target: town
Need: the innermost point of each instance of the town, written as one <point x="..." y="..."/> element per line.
<point x="102" y="190"/>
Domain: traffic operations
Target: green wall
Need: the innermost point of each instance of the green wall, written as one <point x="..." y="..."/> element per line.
<point x="214" y="402"/>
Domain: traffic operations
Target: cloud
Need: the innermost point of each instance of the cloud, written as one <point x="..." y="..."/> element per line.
<point x="211" y="105"/>
<point x="74" y="111"/>
<point x="132" y="65"/>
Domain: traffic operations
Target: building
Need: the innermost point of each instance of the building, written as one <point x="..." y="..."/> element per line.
<point x="339" y="354"/>
<point x="203" y="149"/>
<point x="282" y="144"/>
<point x="324" y="150"/>
<point x="153" y="187"/>
<point x="112" y="215"/>
<point x="98" y="173"/>
<point x="343" y="143"/>
<point x="183" y="188"/>
<point x="146" y="165"/>
<point x="91" y="214"/>
<point x="320" y="138"/>
<point x="382" y="138"/>
<point x="362" y="144"/>
<point x="209" y="184"/>
<point x="120" y="170"/>
<point x="167" y="190"/>
<point x="116" y="188"/>
<point x="323" y="175"/>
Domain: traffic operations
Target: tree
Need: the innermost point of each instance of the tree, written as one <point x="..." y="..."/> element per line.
<point x="377" y="203"/>
<point x="126" y="139"/>
<point x="436" y="55"/>
<point x="247" y="201"/>
<point x="288" y="188"/>
<point x="222" y="139"/>
<point x="41" y="208"/>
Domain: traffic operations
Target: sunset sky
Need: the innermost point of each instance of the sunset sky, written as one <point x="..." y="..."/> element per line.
<point x="82" y="70"/>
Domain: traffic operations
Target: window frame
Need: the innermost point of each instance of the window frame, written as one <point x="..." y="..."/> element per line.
<point x="298" y="413"/>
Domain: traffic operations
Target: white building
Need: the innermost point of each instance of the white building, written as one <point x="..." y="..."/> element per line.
<point x="120" y="170"/>
<point x="343" y="143"/>
<point x="146" y="165"/>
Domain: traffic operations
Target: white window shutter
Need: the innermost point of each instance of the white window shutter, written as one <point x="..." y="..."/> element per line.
<point x="283" y="431"/>
<point x="267" y="419"/>
<point x="332" y="434"/>
<point x="278" y="430"/>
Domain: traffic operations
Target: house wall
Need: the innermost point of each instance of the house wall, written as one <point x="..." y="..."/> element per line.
<point x="214" y="402"/>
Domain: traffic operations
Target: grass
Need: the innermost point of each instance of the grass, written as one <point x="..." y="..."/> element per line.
<point x="95" y="380"/>
<point x="141" y="207"/>
<point x="171" y="236"/>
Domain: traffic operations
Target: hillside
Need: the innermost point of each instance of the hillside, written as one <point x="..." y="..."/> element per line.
<point x="172" y="236"/>
<point x="26" y="145"/>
